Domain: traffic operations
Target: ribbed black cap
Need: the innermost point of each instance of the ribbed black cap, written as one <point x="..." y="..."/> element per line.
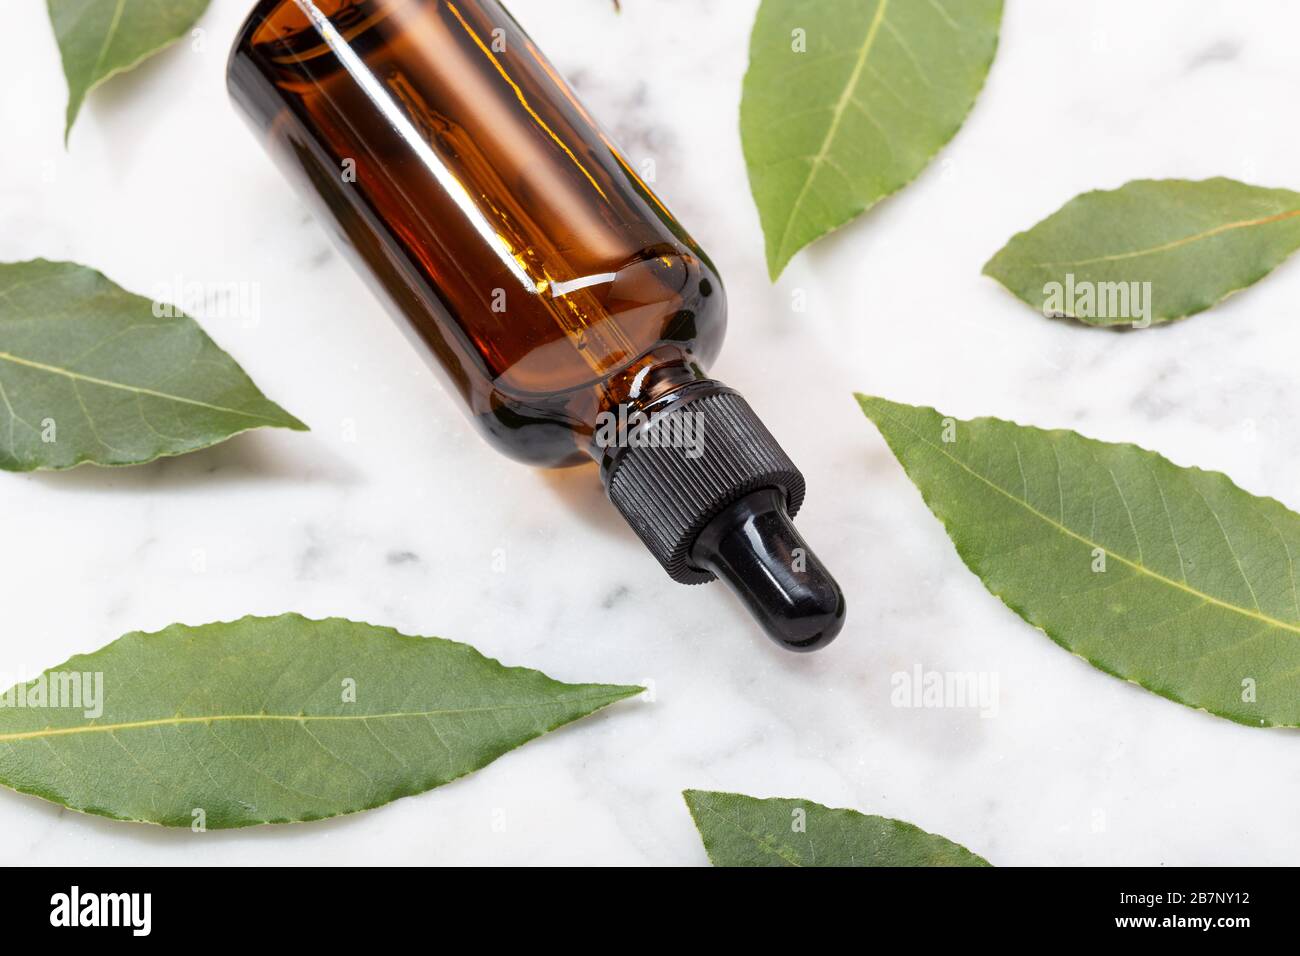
<point x="669" y="490"/>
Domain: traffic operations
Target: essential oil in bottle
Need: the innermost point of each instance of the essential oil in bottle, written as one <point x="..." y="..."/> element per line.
<point x="556" y="294"/>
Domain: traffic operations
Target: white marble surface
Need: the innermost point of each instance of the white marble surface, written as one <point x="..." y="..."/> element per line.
<point x="162" y="180"/>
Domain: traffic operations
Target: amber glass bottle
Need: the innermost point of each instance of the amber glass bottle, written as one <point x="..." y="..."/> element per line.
<point x="562" y="301"/>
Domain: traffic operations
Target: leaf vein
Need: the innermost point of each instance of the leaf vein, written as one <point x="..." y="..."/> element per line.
<point x="1135" y="565"/>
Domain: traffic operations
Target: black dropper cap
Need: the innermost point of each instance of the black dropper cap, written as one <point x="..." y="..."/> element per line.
<point x="712" y="495"/>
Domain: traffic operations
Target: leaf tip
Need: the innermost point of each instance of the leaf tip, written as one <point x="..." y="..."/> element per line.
<point x="75" y="102"/>
<point x="293" y="423"/>
<point x="694" y="800"/>
<point x="868" y="403"/>
<point x="624" y="691"/>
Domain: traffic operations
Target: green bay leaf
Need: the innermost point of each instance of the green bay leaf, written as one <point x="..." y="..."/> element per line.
<point x="1193" y="242"/>
<point x="745" y="831"/>
<point x="100" y="38"/>
<point x="1170" y="577"/>
<point x="846" y="101"/>
<point x="272" y="720"/>
<point x="89" y="373"/>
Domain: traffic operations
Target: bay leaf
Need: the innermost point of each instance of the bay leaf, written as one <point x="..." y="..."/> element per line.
<point x="846" y="101"/>
<point x="100" y="38"/>
<point x="91" y="373"/>
<point x="271" y="720"/>
<point x="745" y="831"/>
<point x="1151" y="251"/>
<point x="1170" y="577"/>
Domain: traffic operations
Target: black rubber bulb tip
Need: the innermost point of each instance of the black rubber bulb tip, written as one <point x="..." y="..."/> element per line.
<point x="754" y="547"/>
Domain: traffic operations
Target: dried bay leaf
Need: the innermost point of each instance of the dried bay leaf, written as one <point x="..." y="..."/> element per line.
<point x="89" y="373"/>
<point x="1151" y="251"/>
<point x="846" y="101"/>
<point x="271" y="720"/>
<point x="100" y="38"/>
<point x="1170" y="577"/>
<point x="745" y="831"/>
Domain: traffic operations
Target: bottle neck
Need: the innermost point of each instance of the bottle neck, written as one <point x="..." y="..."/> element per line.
<point x="635" y="399"/>
<point x="635" y="421"/>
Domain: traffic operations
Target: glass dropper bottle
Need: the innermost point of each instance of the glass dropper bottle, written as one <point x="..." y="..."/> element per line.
<point x="551" y="288"/>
